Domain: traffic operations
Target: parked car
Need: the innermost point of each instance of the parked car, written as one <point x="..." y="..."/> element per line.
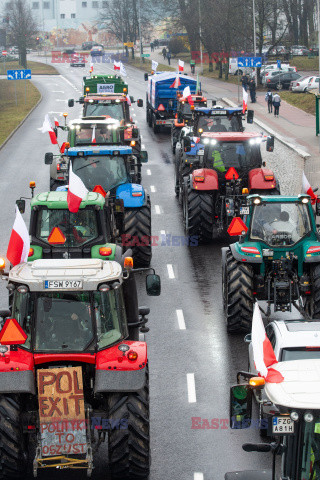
<point x="96" y="51"/>
<point x="272" y="73"/>
<point x="314" y="49"/>
<point x="273" y="66"/>
<point x="278" y="50"/>
<point x="300" y="85"/>
<point x="77" y="61"/>
<point x="282" y="80"/>
<point x="299" y="50"/>
<point x="313" y="83"/>
<point x="90" y="44"/>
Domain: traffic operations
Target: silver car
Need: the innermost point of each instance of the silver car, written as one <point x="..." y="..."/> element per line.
<point x="300" y="85"/>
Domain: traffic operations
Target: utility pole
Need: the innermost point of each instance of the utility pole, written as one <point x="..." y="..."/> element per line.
<point x="140" y="36"/>
<point x="254" y="37"/>
<point x="200" y="32"/>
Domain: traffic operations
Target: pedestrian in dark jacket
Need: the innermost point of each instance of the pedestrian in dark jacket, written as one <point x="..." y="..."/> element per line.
<point x="244" y="81"/>
<point x="252" y="88"/>
<point x="269" y="99"/>
<point x="169" y="57"/>
<point x="276" y="104"/>
<point x="164" y="53"/>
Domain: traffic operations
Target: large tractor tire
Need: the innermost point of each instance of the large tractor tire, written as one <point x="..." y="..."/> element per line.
<point x="198" y="214"/>
<point x="137" y="223"/>
<point x="54" y="184"/>
<point x="174" y="137"/>
<point x="316" y="291"/>
<point x="155" y="127"/>
<point x="13" y="457"/>
<point x="237" y="291"/>
<point x="129" y="447"/>
<point x="149" y="117"/>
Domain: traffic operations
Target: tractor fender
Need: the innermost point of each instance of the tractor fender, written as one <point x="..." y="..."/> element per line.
<point x="132" y="194"/>
<point x="240" y="257"/>
<point x="210" y="181"/>
<point x="257" y="181"/>
<point x="17" y="376"/>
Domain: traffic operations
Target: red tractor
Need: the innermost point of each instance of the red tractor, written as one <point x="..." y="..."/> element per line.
<point x="224" y="169"/>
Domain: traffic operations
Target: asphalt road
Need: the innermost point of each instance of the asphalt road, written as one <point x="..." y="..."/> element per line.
<point x="192" y="360"/>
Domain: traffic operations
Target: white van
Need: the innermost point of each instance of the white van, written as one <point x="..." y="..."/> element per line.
<point x="233" y="67"/>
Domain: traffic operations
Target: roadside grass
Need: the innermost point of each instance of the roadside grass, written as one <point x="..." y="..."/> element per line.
<point x="304" y="101"/>
<point x="10" y="114"/>
<point x="37" y="68"/>
<point x="146" y="66"/>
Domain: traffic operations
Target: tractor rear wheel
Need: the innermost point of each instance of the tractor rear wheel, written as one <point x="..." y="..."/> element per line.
<point x="156" y="128"/>
<point x="174" y="137"/>
<point x="316" y="290"/>
<point x="198" y="214"/>
<point x="13" y="457"/>
<point x="237" y="295"/>
<point x="129" y="446"/>
<point x="137" y="224"/>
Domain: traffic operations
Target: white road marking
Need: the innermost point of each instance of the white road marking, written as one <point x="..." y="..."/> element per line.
<point x="148" y="171"/>
<point x="170" y="271"/>
<point x="181" y="321"/>
<point x="57" y="91"/>
<point x="60" y="100"/>
<point x="162" y="232"/>
<point x="58" y="113"/>
<point x="68" y="81"/>
<point x="197" y="476"/>
<point x="152" y="188"/>
<point x="192" y="398"/>
<point x="157" y="209"/>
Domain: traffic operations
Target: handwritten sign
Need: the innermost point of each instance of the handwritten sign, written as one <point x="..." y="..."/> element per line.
<point x="61" y="411"/>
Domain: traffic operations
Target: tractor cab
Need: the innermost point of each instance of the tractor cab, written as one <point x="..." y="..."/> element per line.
<point x="112" y="105"/>
<point x="219" y="119"/>
<point x="186" y="108"/>
<point x="101" y="131"/>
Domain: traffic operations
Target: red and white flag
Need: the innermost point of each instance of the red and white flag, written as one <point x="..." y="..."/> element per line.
<point x="176" y="83"/>
<point x="244" y="100"/>
<point x="93" y="138"/>
<point x="19" y="243"/>
<point x="306" y="188"/>
<point x="187" y="94"/>
<point x="123" y="70"/>
<point x="181" y="65"/>
<point x="116" y="65"/>
<point x="263" y="354"/>
<point x="46" y="127"/>
<point x="56" y="122"/>
<point x="76" y="191"/>
<point x="91" y="67"/>
<point x="128" y="100"/>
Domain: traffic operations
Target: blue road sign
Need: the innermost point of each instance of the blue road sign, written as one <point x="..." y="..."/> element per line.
<point x="18" y="74"/>
<point x="278" y="63"/>
<point x="252" y="62"/>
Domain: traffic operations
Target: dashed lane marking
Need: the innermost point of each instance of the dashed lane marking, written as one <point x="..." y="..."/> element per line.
<point x="170" y="271"/>
<point x="57" y="91"/>
<point x="148" y="171"/>
<point x="162" y="232"/>
<point x="157" y="209"/>
<point x="181" y="321"/>
<point x="192" y="397"/>
<point x="197" y="476"/>
<point x="152" y="188"/>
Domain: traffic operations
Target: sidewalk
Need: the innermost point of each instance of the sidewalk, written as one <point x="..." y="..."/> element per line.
<point x="294" y="125"/>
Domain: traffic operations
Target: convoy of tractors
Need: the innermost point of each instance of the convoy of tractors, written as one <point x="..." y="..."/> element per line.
<point x="74" y="364"/>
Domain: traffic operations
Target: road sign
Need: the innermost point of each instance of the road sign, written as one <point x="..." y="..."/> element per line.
<point x="128" y="44"/>
<point x="252" y="62"/>
<point x="4" y="52"/>
<point x="145" y="55"/>
<point x="18" y="74"/>
<point x="278" y="63"/>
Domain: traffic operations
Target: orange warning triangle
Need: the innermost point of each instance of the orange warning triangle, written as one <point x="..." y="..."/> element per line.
<point x="56" y="237"/>
<point x="237" y="227"/>
<point x="12" y="333"/>
<point x="99" y="189"/>
<point x="230" y="173"/>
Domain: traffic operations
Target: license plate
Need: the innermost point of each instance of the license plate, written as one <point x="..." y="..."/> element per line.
<point x="266" y="252"/>
<point x="282" y="425"/>
<point x="63" y="166"/>
<point x="62" y="284"/>
<point x="201" y="152"/>
<point x="244" y="210"/>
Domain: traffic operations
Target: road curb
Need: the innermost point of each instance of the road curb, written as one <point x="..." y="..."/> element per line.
<point x="22" y="122"/>
<point x="298" y="150"/>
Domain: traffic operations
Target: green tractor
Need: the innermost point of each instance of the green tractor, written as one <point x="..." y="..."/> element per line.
<point x="277" y="259"/>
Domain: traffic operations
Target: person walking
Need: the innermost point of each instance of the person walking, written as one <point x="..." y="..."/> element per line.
<point x="164" y="53"/>
<point x="152" y="46"/>
<point x="269" y="99"/>
<point x="192" y="65"/>
<point x="252" y="88"/>
<point x="244" y="81"/>
<point x="276" y="104"/>
<point x="169" y="57"/>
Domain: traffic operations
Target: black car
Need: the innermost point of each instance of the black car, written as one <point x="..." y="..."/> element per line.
<point x="283" y="80"/>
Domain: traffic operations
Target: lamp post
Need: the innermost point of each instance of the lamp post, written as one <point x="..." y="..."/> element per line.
<point x="140" y="36"/>
<point x="200" y="32"/>
<point x="254" y="37"/>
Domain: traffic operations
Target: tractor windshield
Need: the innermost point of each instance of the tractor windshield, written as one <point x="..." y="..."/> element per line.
<point x="280" y="224"/>
<point x="61" y="228"/>
<point x="242" y="156"/>
<point x="88" y="134"/>
<point x="71" y="321"/>
<point x="109" y="110"/>
<point x="107" y="171"/>
<point x="221" y="123"/>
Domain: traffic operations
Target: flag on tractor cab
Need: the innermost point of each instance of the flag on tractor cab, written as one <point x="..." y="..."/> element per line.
<point x="128" y="100"/>
<point x="244" y="100"/>
<point x="19" y="243"/>
<point x="187" y="94"/>
<point x="116" y="65"/>
<point x="198" y="84"/>
<point x="46" y="127"/>
<point x="76" y="191"/>
<point x="93" y="138"/>
<point x="154" y="65"/>
<point x="56" y="122"/>
<point x="176" y="83"/>
<point x="263" y="354"/>
<point x="181" y="65"/>
<point x="123" y="70"/>
<point x="306" y="188"/>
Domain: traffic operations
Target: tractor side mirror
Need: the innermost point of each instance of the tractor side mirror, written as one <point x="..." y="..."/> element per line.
<point x="187" y="144"/>
<point x="81" y="100"/>
<point x="48" y="158"/>
<point x="70" y="102"/>
<point x="318" y="209"/>
<point x="240" y="406"/>
<point x="214" y="103"/>
<point x="146" y="77"/>
<point x="250" y="115"/>
<point x="135" y="133"/>
<point x="153" y="285"/>
<point x="140" y="102"/>
<point x="144" y="156"/>
<point x="131" y="99"/>
<point x="5" y="313"/>
<point x="270" y="143"/>
<point x="21" y="204"/>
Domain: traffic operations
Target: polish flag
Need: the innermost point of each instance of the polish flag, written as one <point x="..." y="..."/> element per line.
<point x="91" y="67"/>
<point x="176" y="83"/>
<point x="187" y="94"/>
<point x="128" y="100"/>
<point x="19" y="243"/>
<point x="306" y="188"/>
<point x="244" y="101"/>
<point x="46" y="127"/>
<point x="56" y="122"/>
<point x="123" y="70"/>
<point x="181" y="65"/>
<point x="116" y="65"/>
<point x="76" y="191"/>
<point x="263" y="354"/>
<point x="93" y="139"/>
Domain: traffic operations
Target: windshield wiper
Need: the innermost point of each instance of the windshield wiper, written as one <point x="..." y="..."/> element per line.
<point x="88" y="165"/>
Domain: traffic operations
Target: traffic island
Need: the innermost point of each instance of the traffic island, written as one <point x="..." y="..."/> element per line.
<point x="13" y="112"/>
<point x="37" y="68"/>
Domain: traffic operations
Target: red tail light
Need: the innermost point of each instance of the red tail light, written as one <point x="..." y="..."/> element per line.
<point x="161" y="108"/>
<point x="58" y="167"/>
<point x="268" y="80"/>
<point x="297" y="84"/>
<point x="199" y="178"/>
<point x="250" y="250"/>
<point x="132" y="355"/>
<point x="313" y="250"/>
<point x="269" y="178"/>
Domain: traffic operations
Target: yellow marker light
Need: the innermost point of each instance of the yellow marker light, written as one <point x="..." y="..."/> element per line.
<point x="31" y="252"/>
<point x="191" y="107"/>
<point x="124" y="90"/>
<point x="245" y="191"/>
<point x="2" y="263"/>
<point x="132" y="143"/>
<point x="87" y="89"/>
<point x="257" y="382"/>
<point x="67" y="145"/>
<point x="128" y="263"/>
<point x="200" y="130"/>
<point x="32" y="184"/>
<point x="105" y="251"/>
<point x="65" y="115"/>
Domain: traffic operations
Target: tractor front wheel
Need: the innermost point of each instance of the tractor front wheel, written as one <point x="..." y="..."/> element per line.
<point x="137" y="224"/>
<point x="198" y="214"/>
<point x="174" y="137"/>
<point x="129" y="442"/>
<point x="13" y="457"/>
<point x="237" y="295"/>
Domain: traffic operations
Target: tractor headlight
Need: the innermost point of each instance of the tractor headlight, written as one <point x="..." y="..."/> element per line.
<point x="294" y="416"/>
<point x="308" y="417"/>
<point x="257" y="201"/>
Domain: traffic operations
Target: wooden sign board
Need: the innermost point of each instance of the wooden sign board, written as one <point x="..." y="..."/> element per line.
<point x="61" y="411"/>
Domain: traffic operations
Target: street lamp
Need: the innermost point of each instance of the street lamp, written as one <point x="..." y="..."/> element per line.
<point x="254" y="37"/>
<point x="201" y="58"/>
<point x="141" y="50"/>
